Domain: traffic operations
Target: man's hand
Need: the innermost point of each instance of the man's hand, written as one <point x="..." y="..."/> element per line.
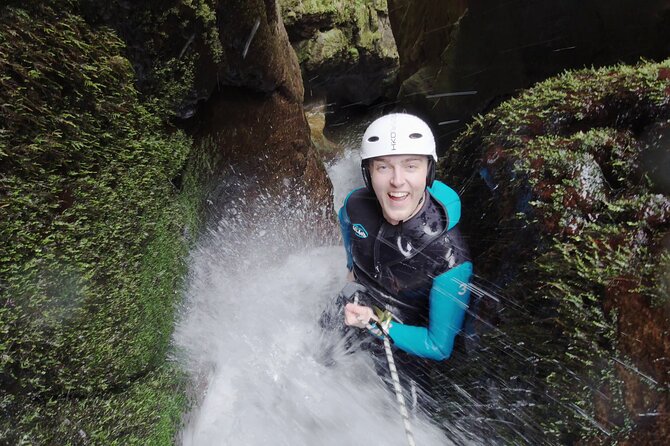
<point x="358" y="315"/>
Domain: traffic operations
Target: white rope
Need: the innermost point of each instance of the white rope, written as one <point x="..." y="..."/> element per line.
<point x="396" y="381"/>
<point x="398" y="391"/>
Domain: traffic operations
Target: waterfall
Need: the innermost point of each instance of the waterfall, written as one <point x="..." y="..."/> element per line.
<point x="264" y="372"/>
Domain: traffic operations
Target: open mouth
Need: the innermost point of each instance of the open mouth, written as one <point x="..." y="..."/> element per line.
<point x="398" y="196"/>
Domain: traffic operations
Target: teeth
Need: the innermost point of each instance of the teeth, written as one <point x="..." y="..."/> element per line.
<point x="398" y="194"/>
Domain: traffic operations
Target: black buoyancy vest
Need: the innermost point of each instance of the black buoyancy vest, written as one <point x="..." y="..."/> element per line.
<point x="398" y="262"/>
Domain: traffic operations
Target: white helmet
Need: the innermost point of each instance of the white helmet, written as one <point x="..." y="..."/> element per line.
<point x="398" y="134"/>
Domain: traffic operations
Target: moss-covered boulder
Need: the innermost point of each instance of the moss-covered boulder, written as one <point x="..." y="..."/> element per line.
<point x="173" y="45"/>
<point x="100" y="195"/>
<point x="462" y="57"/>
<point x="94" y="205"/>
<point x="565" y="195"/>
<point x="193" y="56"/>
<point x="346" y="49"/>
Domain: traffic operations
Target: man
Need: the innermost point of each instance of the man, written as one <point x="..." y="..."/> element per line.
<point x="403" y="245"/>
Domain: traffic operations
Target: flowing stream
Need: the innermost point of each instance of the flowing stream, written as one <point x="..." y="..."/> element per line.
<point x="250" y="339"/>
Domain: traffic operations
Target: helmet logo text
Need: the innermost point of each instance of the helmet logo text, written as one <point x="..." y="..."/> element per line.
<point x="393" y="140"/>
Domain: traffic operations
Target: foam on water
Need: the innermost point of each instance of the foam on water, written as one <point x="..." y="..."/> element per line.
<point x="249" y="337"/>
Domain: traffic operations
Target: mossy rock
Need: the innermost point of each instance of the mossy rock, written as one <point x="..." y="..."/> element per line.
<point x="146" y="412"/>
<point x="573" y="228"/>
<point x="95" y="207"/>
<point x="327" y="49"/>
<point x="346" y="49"/>
<point x="303" y="19"/>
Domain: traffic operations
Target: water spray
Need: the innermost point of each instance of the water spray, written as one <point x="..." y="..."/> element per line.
<point x="353" y="289"/>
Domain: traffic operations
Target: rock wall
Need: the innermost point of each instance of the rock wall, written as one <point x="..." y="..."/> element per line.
<point x="117" y="119"/>
<point x="462" y="57"/>
<point x="569" y="219"/>
<point x="215" y="54"/>
<point x="95" y="206"/>
<point x="346" y="49"/>
<point x="255" y="110"/>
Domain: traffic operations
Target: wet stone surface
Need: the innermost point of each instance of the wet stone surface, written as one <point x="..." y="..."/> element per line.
<point x="568" y="224"/>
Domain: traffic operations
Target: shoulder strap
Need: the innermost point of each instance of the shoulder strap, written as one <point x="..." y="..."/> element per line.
<point x="448" y="198"/>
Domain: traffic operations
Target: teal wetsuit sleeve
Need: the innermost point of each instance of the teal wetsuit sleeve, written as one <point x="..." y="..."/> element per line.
<point x="345" y="224"/>
<point x="449" y="299"/>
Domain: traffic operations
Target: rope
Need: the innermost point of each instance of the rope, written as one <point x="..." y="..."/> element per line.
<point x="396" y="379"/>
<point x="398" y="391"/>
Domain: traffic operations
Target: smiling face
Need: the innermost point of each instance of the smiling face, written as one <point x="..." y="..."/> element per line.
<point x="399" y="182"/>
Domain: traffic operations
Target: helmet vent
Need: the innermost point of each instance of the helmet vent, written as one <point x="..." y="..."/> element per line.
<point x="373" y="139"/>
<point x="415" y="136"/>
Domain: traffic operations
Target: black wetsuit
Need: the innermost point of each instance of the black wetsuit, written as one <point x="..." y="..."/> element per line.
<point x="419" y="270"/>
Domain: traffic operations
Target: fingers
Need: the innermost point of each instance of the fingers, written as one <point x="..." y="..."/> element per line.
<point x="350" y="315"/>
<point x="357" y="315"/>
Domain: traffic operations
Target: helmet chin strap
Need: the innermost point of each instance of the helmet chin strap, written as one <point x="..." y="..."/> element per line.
<point x="417" y="207"/>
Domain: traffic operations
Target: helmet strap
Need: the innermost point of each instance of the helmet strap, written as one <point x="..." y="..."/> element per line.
<point x="431" y="172"/>
<point x="417" y="207"/>
<point x="367" y="178"/>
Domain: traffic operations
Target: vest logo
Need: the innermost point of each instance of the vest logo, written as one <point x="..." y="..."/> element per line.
<point x="360" y="231"/>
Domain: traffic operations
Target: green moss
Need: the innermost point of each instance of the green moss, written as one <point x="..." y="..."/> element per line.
<point x="148" y="412"/>
<point x="326" y="48"/>
<point x="166" y="41"/>
<point x="205" y="13"/>
<point x="365" y="19"/>
<point x="294" y="11"/>
<point x="345" y="31"/>
<point x="72" y="178"/>
<point x="97" y="201"/>
<point x="562" y="163"/>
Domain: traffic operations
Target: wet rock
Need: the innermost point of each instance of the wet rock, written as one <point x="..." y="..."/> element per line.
<point x="656" y="156"/>
<point x="99" y="188"/>
<point x="267" y="138"/>
<point x="346" y="49"/>
<point x="462" y="57"/>
<point x="572" y="233"/>
<point x="255" y="114"/>
<point x="644" y="367"/>
<point x="316" y="117"/>
<point x="256" y="51"/>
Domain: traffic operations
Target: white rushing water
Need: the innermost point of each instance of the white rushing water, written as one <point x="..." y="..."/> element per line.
<point x="249" y="337"/>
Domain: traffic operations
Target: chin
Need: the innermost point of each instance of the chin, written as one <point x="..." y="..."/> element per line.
<point x="396" y="216"/>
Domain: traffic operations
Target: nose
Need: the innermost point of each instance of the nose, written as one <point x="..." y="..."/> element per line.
<point x="398" y="178"/>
